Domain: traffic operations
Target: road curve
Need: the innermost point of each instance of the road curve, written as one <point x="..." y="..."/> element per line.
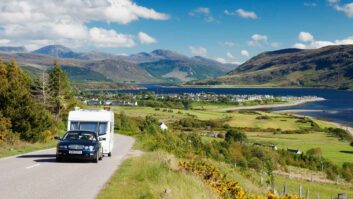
<point x="38" y="175"/>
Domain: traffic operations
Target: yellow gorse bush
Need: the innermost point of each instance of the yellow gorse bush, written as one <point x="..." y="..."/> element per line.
<point x="221" y="185"/>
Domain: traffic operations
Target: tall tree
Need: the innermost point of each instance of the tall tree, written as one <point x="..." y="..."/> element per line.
<point x="27" y="117"/>
<point x="39" y="88"/>
<point x="61" y="97"/>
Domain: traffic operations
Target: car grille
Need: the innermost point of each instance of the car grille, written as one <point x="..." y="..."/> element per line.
<point x="75" y="146"/>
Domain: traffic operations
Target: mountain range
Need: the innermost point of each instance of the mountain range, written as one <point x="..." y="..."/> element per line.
<point x="157" y="66"/>
<point x="327" y="67"/>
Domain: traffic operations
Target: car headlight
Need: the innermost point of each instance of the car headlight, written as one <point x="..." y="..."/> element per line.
<point x="90" y="148"/>
<point x="62" y="146"/>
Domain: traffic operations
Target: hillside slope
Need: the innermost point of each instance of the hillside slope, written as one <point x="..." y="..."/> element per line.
<point x="330" y="67"/>
<point x="171" y="66"/>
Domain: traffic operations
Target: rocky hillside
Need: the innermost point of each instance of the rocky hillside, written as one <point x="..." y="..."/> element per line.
<point x="330" y="67"/>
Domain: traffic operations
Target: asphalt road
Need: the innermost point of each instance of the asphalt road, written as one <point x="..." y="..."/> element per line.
<point x="37" y="175"/>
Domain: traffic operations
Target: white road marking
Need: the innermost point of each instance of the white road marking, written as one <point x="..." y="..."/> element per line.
<point x="30" y="167"/>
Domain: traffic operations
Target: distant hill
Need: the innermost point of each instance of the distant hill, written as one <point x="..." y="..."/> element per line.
<point x="329" y="67"/>
<point x="171" y="66"/>
<point x="157" y="66"/>
<point x="57" y="51"/>
<point x="156" y="55"/>
<point x="120" y="71"/>
<point x="11" y="49"/>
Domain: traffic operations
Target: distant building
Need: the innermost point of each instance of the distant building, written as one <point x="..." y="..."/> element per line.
<point x="93" y="102"/>
<point x="163" y="126"/>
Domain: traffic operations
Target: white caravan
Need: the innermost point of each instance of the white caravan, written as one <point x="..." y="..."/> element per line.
<point x="99" y="121"/>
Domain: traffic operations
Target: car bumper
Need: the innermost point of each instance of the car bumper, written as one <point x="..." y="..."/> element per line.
<point x="84" y="155"/>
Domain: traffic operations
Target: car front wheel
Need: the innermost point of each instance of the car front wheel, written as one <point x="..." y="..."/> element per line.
<point x="96" y="158"/>
<point x="101" y="155"/>
<point x="59" y="159"/>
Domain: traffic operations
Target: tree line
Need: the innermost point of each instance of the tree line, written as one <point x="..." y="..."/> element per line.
<point x="32" y="108"/>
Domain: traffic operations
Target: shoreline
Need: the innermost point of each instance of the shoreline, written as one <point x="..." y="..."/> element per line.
<point x="270" y="106"/>
<point x="294" y="112"/>
<point x="297" y="113"/>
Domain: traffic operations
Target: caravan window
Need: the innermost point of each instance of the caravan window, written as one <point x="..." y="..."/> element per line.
<point x="102" y="128"/>
<point x="98" y="127"/>
<point x="74" y="126"/>
<point x="88" y="126"/>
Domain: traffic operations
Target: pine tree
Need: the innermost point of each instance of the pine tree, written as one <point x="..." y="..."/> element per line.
<point x="60" y="97"/>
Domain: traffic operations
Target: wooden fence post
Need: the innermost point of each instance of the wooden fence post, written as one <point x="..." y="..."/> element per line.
<point x="300" y="190"/>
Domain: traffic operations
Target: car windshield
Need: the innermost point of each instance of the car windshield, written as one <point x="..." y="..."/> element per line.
<point x="80" y="136"/>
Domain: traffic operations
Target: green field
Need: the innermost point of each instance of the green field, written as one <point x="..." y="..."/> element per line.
<point x="331" y="147"/>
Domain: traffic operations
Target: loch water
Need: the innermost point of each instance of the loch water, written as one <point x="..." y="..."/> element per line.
<point x="338" y="106"/>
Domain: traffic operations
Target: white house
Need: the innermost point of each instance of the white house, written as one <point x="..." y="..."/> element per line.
<point x="163" y="126"/>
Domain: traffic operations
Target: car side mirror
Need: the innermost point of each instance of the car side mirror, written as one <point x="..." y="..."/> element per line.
<point x="102" y="139"/>
<point x="57" y="137"/>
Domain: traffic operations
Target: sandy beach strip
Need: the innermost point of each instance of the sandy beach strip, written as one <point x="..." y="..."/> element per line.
<point x="269" y="106"/>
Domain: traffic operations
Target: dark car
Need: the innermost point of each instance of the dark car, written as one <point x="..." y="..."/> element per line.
<point x="79" y="145"/>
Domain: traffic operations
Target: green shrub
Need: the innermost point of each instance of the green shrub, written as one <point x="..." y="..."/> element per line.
<point x="235" y="135"/>
<point x="255" y="163"/>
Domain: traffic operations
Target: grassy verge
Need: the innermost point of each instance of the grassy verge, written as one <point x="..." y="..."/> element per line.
<point x="153" y="175"/>
<point x="23" y="147"/>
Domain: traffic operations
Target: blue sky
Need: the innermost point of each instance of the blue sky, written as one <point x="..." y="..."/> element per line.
<point x="226" y="30"/>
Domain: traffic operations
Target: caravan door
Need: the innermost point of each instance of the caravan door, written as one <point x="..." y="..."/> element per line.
<point x="103" y="132"/>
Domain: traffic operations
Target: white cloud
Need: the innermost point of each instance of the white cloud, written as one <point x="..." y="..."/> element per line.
<point x="221" y="60"/>
<point x="346" y="9"/>
<point x="224" y="61"/>
<point x="245" y="53"/>
<point x="34" y="22"/>
<point x="258" y="37"/>
<point x="4" y="41"/>
<point x="227" y="44"/>
<point x="242" y="13"/>
<point x="146" y="39"/>
<point x="333" y="1"/>
<point x="230" y="55"/>
<point x="309" y="42"/>
<point x="310" y="4"/>
<point x="110" y="38"/>
<point x="198" y="51"/>
<point x="258" y="40"/>
<point x="204" y="13"/>
<point x="299" y="45"/>
<point x="305" y="37"/>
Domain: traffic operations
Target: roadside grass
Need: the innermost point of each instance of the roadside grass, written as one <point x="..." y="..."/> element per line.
<point x="153" y="175"/>
<point x="24" y="147"/>
<point x="331" y="147"/>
